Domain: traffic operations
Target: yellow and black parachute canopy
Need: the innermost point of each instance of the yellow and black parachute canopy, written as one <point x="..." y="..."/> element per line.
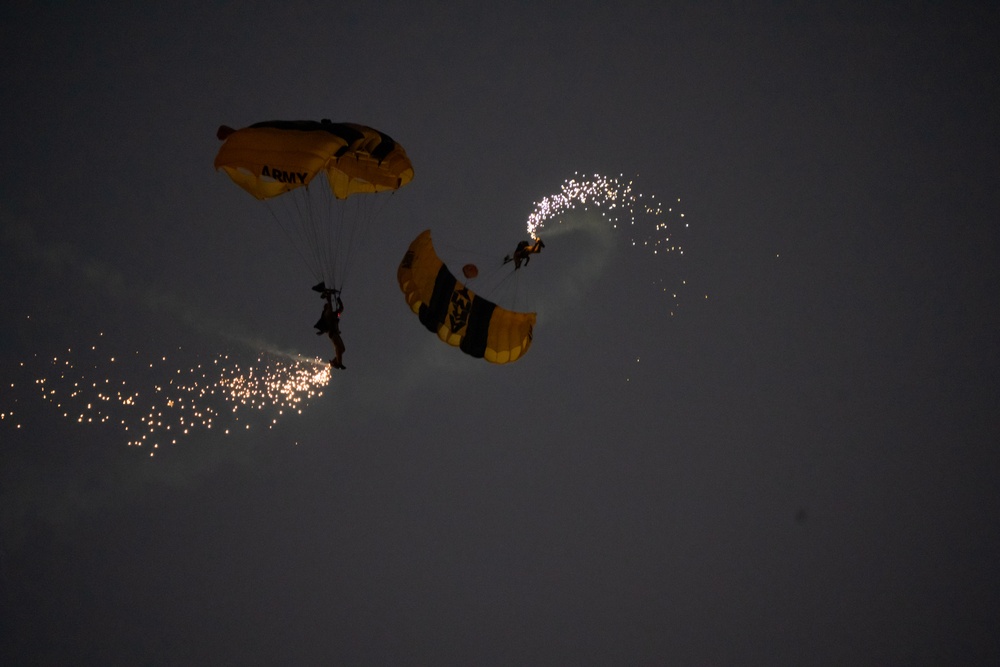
<point x="455" y="313"/>
<point x="270" y="158"/>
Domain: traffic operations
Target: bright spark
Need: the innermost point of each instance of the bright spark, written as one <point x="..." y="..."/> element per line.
<point x="151" y="400"/>
<point x="647" y="222"/>
<point x="620" y="204"/>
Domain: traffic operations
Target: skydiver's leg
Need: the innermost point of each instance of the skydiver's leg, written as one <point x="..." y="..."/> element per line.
<point x="338" y="347"/>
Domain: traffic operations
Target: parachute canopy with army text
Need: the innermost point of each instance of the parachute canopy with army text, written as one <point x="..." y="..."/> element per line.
<point x="270" y="158"/>
<point x="279" y="157"/>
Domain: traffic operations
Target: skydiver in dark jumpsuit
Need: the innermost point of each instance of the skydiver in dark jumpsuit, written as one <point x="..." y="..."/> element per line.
<point x="523" y="253"/>
<point x="329" y="323"/>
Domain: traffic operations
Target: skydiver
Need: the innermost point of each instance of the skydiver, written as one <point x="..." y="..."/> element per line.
<point x="329" y="323"/>
<point x="523" y="253"/>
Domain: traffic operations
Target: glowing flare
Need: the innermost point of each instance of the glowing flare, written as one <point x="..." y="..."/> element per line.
<point x="189" y="401"/>
<point x="618" y="199"/>
<point x="647" y="219"/>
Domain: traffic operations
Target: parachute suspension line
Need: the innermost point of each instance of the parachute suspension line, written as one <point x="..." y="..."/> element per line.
<point x="496" y="266"/>
<point x="517" y="293"/>
<point x="312" y="222"/>
<point x="295" y="235"/>
<point x="515" y="300"/>
<point x="326" y="227"/>
<point x="366" y="208"/>
<point x="489" y="292"/>
<point x="488" y="277"/>
<point x="507" y="290"/>
<point x="338" y="222"/>
<point x="338" y="228"/>
<point x="310" y="230"/>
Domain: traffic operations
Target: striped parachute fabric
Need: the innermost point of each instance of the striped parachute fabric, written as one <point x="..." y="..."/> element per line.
<point x="458" y="316"/>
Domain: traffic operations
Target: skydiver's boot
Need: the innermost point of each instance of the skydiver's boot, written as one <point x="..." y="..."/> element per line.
<point x="320" y="287"/>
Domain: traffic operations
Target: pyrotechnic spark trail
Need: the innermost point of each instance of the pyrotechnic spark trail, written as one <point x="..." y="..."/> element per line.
<point x="643" y="218"/>
<point x="161" y="400"/>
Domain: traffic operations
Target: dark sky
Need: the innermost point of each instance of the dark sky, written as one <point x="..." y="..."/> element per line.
<point x="799" y="469"/>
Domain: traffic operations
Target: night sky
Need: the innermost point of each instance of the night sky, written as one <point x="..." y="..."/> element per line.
<point x="792" y="462"/>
